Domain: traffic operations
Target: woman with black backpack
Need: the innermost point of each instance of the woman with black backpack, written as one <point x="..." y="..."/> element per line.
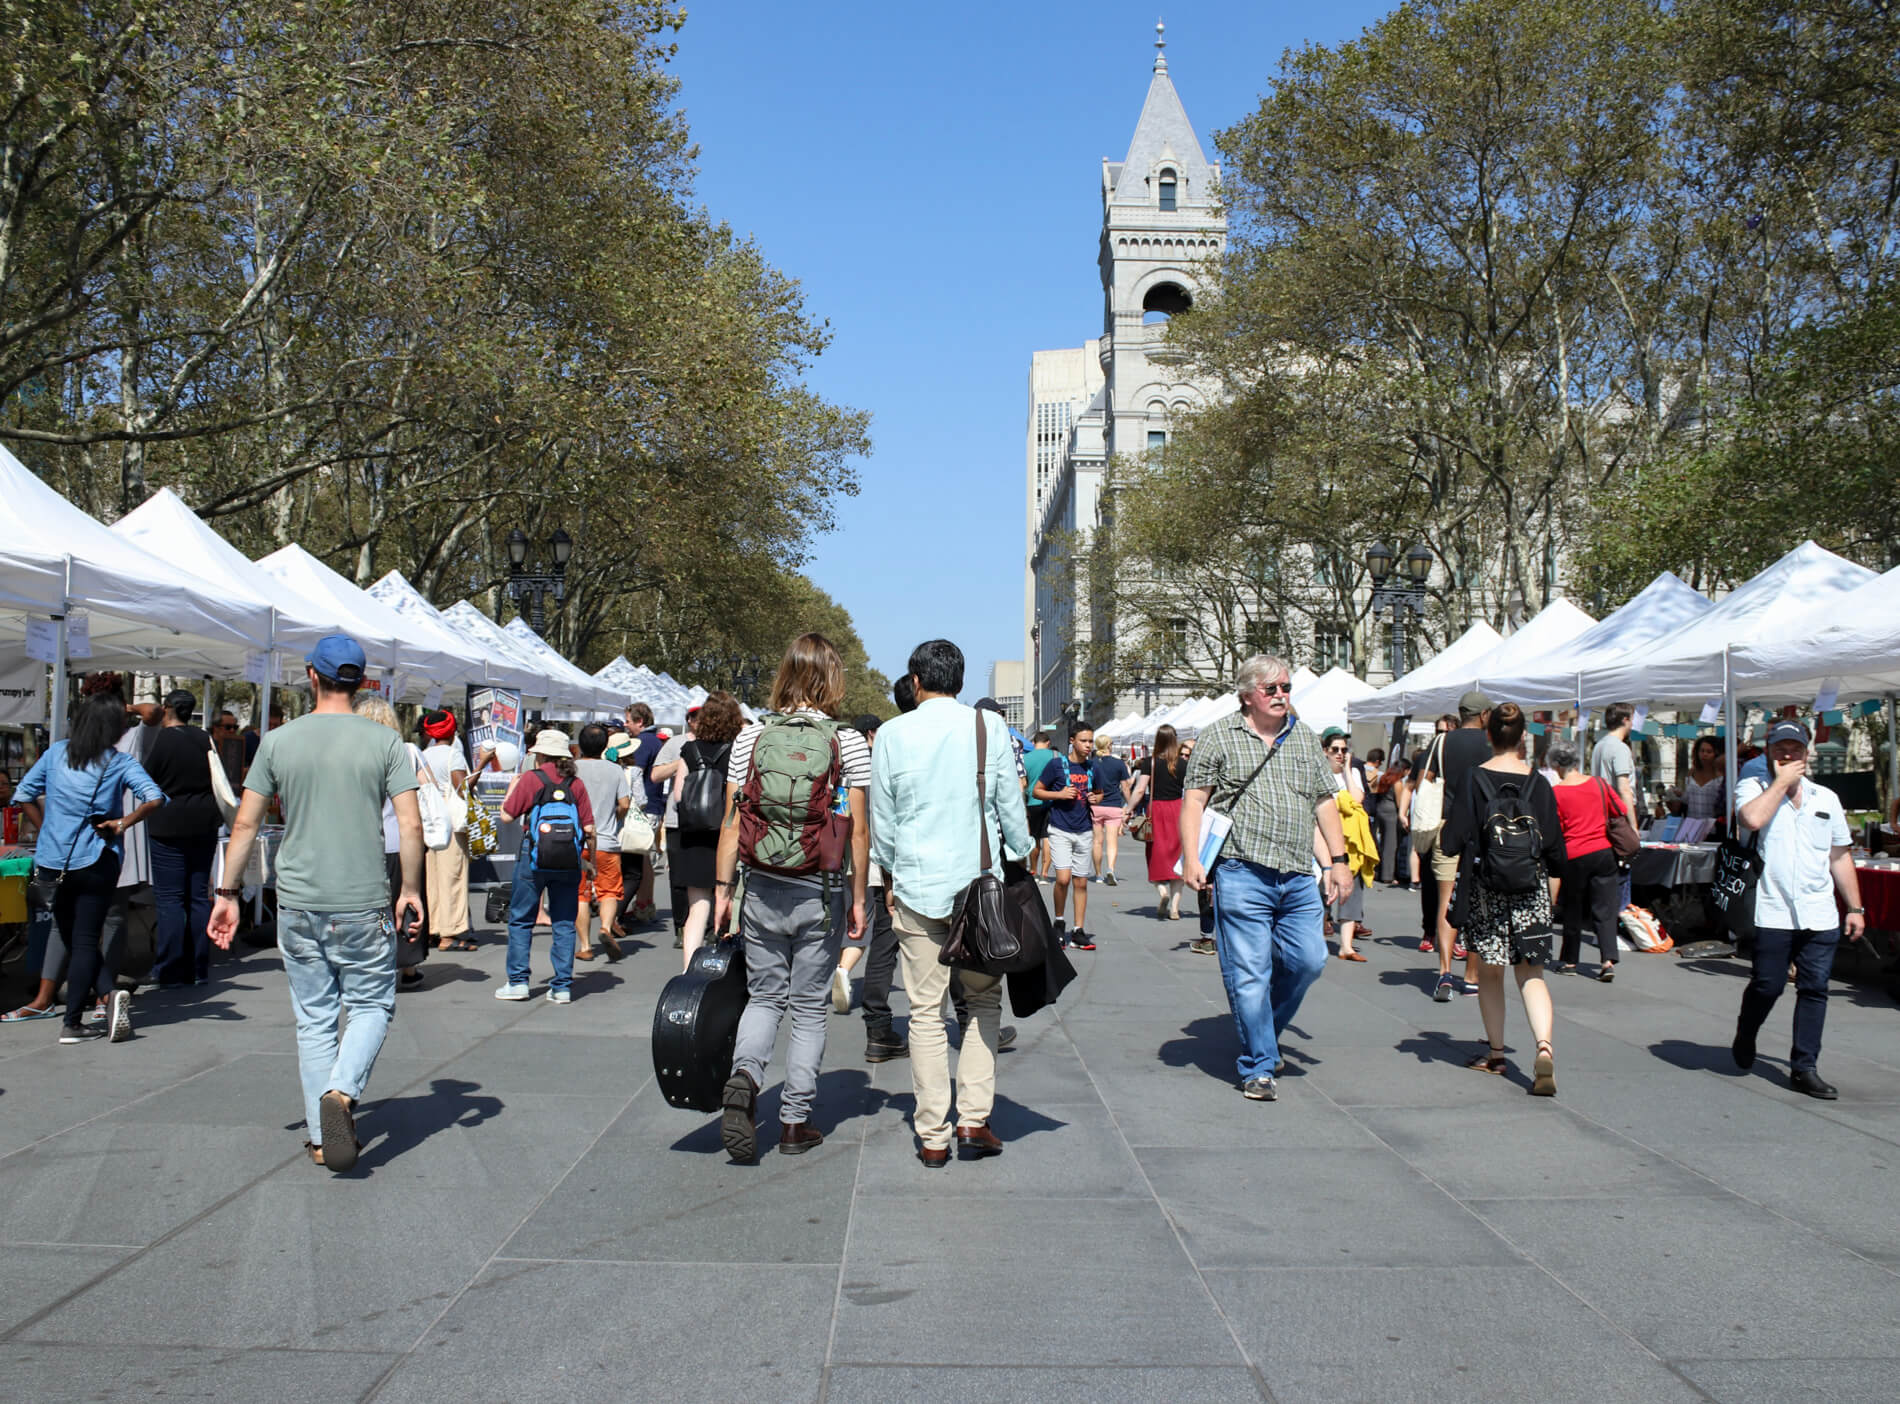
<point x="1508" y="838"/>
<point x="692" y="846"/>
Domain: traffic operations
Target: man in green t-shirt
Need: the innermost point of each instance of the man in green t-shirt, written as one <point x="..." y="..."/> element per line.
<point x="331" y="772"/>
<point x="1034" y="761"/>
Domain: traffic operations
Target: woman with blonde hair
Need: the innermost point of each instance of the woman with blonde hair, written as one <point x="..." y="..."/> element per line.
<point x="794" y="916"/>
<point x="412" y="946"/>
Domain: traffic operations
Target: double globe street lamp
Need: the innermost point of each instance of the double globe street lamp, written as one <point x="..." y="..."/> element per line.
<point x="530" y="588"/>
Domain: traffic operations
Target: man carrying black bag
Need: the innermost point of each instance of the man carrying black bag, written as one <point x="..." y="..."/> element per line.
<point x="925" y="819"/>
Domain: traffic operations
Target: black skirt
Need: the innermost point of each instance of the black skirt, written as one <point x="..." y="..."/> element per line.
<point x="693" y="858"/>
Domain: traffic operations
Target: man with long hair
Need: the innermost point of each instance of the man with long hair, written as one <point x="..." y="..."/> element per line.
<point x="796" y="819"/>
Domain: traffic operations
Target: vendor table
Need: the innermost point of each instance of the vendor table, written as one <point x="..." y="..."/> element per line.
<point x="1674" y="865"/>
<point x="1880" y="894"/>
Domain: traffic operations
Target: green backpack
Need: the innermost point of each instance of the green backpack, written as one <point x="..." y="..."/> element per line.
<point x="792" y="815"/>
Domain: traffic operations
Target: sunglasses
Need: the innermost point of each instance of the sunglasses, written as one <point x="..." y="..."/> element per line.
<point x="1337" y="750"/>
<point x="1271" y="688"/>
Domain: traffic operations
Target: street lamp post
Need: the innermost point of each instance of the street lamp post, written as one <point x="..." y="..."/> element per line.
<point x="1405" y="597"/>
<point x="530" y="587"/>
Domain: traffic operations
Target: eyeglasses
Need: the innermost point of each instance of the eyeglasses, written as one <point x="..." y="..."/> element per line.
<point x="1271" y="688"/>
<point x="1337" y="750"/>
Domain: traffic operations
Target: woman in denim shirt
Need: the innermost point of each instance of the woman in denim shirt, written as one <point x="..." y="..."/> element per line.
<point x="73" y="792"/>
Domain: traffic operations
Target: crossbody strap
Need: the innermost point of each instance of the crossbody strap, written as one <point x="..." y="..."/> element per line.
<point x="982" y="790"/>
<point x="92" y="806"/>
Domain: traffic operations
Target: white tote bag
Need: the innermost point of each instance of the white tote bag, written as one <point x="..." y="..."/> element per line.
<point x="437" y="831"/>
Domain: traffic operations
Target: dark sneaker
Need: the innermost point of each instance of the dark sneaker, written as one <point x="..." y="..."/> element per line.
<point x="85" y="1033"/>
<point x="1446" y="987"/>
<point x="737" y="1127"/>
<point x="1260" y="1089"/>
<point x="1109" y="877"/>
<point x="882" y="1049"/>
<point x="1202" y="945"/>
<point x="1081" y="940"/>
<point x="339" y="1131"/>
<point x="1467" y="988"/>
<point x="1062" y="933"/>
<point x="1743" y="1050"/>
<point x="1005" y="1036"/>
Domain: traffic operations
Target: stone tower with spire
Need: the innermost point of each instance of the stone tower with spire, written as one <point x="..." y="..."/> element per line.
<point x="1161" y="227"/>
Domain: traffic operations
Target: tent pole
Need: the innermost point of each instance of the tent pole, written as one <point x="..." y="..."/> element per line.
<point x="1893" y="751"/>
<point x="1732" y="737"/>
<point x="56" y="721"/>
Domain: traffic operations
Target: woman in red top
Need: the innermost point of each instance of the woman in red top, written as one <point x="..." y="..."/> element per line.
<point x="1592" y="888"/>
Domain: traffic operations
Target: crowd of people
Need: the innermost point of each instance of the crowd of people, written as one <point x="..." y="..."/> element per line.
<point x="823" y="844"/>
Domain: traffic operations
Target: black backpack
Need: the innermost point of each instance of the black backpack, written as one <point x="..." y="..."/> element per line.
<point x="1509" y="843"/>
<point x="702" y="804"/>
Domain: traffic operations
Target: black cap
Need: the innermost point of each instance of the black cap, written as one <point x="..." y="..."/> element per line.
<point x="865" y="724"/>
<point x="1787" y="729"/>
<point x="989" y="704"/>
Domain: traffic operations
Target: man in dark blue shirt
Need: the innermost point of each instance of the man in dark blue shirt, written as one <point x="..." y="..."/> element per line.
<point x="1066" y="788"/>
<point x="646" y="749"/>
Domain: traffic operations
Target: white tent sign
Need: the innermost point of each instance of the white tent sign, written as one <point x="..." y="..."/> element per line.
<point x="42" y="639"/>
<point x="23" y="691"/>
<point x="79" y="634"/>
<point x="257" y="667"/>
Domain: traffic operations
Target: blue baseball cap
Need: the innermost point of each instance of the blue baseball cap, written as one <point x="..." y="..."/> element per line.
<point x="339" y="658"/>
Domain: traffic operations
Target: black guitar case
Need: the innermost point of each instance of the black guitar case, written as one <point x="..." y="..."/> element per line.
<point x="695" y="1024"/>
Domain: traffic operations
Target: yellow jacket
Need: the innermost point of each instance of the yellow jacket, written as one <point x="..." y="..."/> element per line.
<point x="1362" y="854"/>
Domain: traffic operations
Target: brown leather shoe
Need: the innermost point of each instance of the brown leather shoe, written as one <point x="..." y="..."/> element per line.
<point x="797" y="1137"/>
<point x="977" y="1142"/>
<point x="934" y="1157"/>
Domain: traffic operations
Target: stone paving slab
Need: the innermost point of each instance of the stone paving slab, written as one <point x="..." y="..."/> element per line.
<point x="530" y="1221"/>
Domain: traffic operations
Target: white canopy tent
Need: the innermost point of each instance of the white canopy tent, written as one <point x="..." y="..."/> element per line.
<point x="1303" y="676"/>
<point x="472" y="624"/>
<point x="602" y="699"/>
<point x="1451" y="662"/>
<point x="507" y="667"/>
<point x="1851" y="643"/>
<point x="425" y="655"/>
<point x="1663" y="606"/>
<point x="1205" y="713"/>
<point x="142" y="610"/>
<point x="1323" y="702"/>
<point x="1550" y="630"/>
<point x="164" y="523"/>
<point x="1690" y="665"/>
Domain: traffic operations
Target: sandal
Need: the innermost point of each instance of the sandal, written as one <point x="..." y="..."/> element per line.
<point x="1607" y="973"/>
<point x="1493" y="1062"/>
<point x="27" y="1011"/>
<point x="1544" y="1071"/>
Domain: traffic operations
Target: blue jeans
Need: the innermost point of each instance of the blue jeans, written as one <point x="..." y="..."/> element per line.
<point x="181" y="881"/>
<point x="564" y="900"/>
<point x="337" y="962"/>
<point x="1812" y="955"/>
<point x="1272" y="947"/>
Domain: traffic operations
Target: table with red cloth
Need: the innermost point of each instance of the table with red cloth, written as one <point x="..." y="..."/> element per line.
<point x="1880" y="895"/>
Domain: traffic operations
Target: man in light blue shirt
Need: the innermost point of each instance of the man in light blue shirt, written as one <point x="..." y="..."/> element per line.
<point x="924" y="815"/>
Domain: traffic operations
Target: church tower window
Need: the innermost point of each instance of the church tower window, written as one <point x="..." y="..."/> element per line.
<point x="1167" y="191"/>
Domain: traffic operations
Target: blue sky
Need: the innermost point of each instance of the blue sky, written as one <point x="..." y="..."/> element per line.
<point x="931" y="176"/>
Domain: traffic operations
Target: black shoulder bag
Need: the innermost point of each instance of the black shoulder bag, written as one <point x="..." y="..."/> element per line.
<point x="995" y="928"/>
<point x="1738" y="869"/>
<point x="43" y="886"/>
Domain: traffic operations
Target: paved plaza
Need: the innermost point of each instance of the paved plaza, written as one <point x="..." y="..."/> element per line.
<point x="530" y="1222"/>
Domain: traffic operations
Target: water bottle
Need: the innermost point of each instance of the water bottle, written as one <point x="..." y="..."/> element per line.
<point x="841" y="800"/>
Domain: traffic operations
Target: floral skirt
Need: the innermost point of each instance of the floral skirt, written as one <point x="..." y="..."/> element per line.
<point x="1508" y="928"/>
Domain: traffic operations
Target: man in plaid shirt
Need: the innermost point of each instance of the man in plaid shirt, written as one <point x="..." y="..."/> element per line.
<point x="1265" y="771"/>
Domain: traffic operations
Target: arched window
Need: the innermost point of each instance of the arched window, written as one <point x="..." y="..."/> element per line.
<point x="1167" y="190"/>
<point x="1163" y="301"/>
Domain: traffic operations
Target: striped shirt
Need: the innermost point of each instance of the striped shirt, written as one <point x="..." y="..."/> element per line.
<point x="854" y="759"/>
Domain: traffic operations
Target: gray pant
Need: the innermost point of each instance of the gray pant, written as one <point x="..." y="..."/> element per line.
<point x="792" y="935"/>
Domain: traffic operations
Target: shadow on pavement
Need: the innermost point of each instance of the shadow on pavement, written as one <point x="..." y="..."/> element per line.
<point x="1697" y="1057"/>
<point x="404" y="1123"/>
<point x="1211" y="1046"/>
<point x="844" y="1094"/>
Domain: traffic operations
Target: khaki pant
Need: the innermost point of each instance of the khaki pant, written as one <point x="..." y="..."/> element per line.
<point x="445" y="882"/>
<point x="926" y="982"/>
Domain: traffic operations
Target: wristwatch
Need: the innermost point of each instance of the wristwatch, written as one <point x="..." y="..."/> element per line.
<point x="1339" y="858"/>
<point x="1857" y="911"/>
<point x="232" y="892"/>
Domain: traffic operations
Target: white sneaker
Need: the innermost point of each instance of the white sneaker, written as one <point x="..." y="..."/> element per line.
<point x="841" y="991"/>
<point x="119" y="1016"/>
<point x="558" y="997"/>
<point x="512" y="992"/>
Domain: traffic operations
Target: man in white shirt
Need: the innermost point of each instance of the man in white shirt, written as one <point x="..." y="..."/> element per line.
<point x="1804" y="844"/>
